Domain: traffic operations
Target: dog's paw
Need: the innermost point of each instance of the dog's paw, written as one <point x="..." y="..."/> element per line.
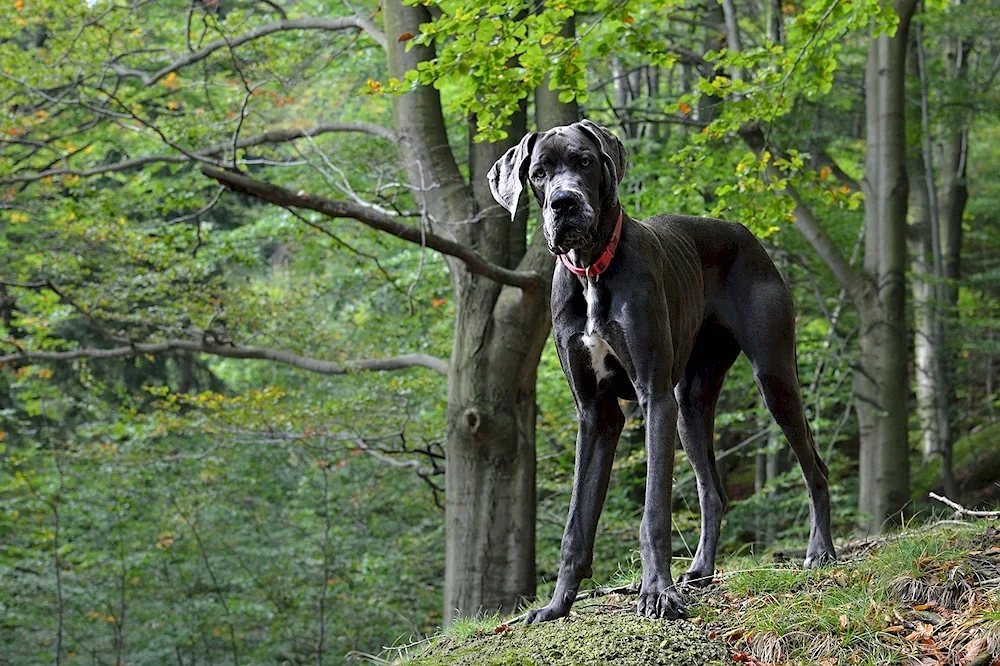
<point x="660" y="600"/>
<point x="695" y="579"/>
<point x="551" y="612"/>
<point x="819" y="558"/>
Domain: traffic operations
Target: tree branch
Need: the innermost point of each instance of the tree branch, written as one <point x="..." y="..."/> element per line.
<point x="271" y="136"/>
<point x="959" y="509"/>
<point x="824" y="159"/>
<point x="807" y="223"/>
<point x="332" y="24"/>
<point x="281" y="196"/>
<point x="318" y="366"/>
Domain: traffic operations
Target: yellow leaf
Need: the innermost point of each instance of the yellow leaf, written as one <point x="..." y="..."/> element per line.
<point x="171" y="80"/>
<point x="843" y="622"/>
<point x="824" y="173"/>
<point x="684" y="107"/>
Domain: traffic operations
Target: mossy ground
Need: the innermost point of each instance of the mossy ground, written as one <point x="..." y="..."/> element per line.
<point x="606" y="632"/>
<point x="927" y="596"/>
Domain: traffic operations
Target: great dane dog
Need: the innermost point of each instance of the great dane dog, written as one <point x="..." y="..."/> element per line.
<point x="655" y="311"/>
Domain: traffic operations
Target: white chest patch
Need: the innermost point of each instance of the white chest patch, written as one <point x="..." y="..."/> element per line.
<point x="599" y="349"/>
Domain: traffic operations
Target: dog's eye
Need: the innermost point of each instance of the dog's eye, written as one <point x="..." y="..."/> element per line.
<point x="585" y="161"/>
<point x="538" y="174"/>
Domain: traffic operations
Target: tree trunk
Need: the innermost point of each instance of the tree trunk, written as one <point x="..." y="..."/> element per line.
<point x="490" y="482"/>
<point x="927" y="342"/>
<point x="772" y="462"/>
<point x="952" y="194"/>
<point x="499" y="334"/>
<point x="880" y="380"/>
<point x="549" y="111"/>
<point x="933" y="223"/>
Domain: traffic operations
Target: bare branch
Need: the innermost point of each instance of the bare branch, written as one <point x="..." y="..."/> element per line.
<point x="331" y="24"/>
<point x="281" y="196"/>
<point x="962" y="510"/>
<point x="271" y="136"/>
<point x="318" y="366"/>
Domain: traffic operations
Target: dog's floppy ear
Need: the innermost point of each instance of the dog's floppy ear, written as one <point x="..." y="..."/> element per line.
<point x="613" y="153"/>
<point x="508" y="173"/>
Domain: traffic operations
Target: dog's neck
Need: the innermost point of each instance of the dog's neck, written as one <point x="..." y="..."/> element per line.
<point x="605" y="229"/>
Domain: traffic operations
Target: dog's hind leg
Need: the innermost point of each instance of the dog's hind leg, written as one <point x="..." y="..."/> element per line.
<point x="713" y="354"/>
<point x="770" y="346"/>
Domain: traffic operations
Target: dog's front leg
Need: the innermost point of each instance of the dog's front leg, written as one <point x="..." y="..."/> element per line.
<point x="658" y="597"/>
<point x="601" y="422"/>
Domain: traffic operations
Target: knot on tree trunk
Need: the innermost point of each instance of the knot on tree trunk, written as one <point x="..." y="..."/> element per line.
<point x="472" y="419"/>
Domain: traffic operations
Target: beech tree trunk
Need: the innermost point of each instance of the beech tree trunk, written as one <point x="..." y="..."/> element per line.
<point x="880" y="380"/>
<point x="938" y="200"/>
<point x="928" y="340"/>
<point x="499" y="334"/>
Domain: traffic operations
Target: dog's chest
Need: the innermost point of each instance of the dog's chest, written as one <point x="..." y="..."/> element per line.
<point x="599" y="349"/>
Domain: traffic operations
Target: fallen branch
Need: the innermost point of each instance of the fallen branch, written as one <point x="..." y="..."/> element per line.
<point x="962" y="510"/>
<point x="870" y="543"/>
<point x="597" y="592"/>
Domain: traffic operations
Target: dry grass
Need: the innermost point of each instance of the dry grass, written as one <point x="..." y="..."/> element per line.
<point x="926" y="598"/>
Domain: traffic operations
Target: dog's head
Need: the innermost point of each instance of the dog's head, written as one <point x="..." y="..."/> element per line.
<point x="573" y="171"/>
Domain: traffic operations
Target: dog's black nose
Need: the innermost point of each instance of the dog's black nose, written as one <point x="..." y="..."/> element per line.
<point x="564" y="201"/>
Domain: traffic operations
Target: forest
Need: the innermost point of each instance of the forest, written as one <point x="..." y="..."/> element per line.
<point x="277" y="381"/>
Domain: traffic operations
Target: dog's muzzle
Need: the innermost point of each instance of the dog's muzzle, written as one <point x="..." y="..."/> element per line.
<point x="568" y="221"/>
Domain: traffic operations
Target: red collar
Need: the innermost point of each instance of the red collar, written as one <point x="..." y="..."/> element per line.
<point x="604" y="260"/>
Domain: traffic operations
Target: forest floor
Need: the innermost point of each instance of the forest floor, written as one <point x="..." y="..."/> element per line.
<point x="927" y="595"/>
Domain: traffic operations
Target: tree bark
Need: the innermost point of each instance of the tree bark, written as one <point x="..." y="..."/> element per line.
<point x="927" y="342"/>
<point x="499" y="334"/>
<point x="937" y="225"/>
<point x="952" y="194"/>
<point x="880" y="380"/>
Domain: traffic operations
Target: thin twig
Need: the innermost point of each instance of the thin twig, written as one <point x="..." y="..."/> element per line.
<point x="962" y="510"/>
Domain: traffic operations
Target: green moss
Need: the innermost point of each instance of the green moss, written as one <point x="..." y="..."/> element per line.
<point x="613" y="636"/>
